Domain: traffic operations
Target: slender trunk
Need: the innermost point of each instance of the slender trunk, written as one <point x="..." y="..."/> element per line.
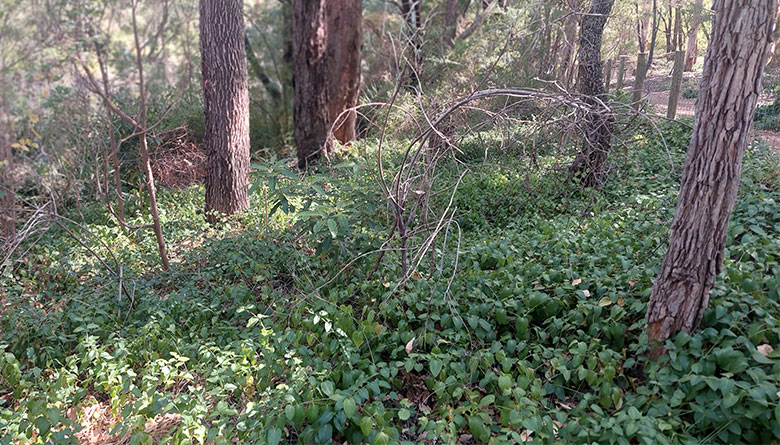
<point x="590" y="163"/>
<point x="343" y="66"/>
<point x="311" y="112"/>
<point x="730" y="87"/>
<point x="7" y="210"/>
<point x="226" y="106"/>
<point x="114" y="147"/>
<point x="412" y="13"/>
<point x="141" y="129"/>
<point x="693" y="36"/>
<point x="450" y="22"/>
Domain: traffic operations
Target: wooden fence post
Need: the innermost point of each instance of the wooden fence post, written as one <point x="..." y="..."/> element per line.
<point x="639" y="81"/>
<point x="621" y="72"/>
<point x="609" y="75"/>
<point x="674" y="90"/>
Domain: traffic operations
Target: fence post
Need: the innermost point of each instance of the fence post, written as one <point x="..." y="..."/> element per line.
<point x="639" y="81"/>
<point x="609" y="75"/>
<point x="674" y="90"/>
<point x="621" y="71"/>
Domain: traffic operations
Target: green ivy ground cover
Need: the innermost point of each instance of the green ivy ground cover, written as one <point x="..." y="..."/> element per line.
<point x="537" y="335"/>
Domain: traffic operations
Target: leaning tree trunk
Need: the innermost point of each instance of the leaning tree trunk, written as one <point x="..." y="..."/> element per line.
<point x="730" y="87"/>
<point x="590" y="163"/>
<point x="226" y="105"/>
<point x="343" y="59"/>
<point x="311" y="111"/>
<point x="693" y="39"/>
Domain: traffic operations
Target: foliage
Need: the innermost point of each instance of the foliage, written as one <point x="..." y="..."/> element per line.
<point x="534" y="327"/>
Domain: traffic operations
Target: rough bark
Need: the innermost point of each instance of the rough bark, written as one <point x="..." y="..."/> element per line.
<point x="226" y="105"/>
<point x="343" y="60"/>
<point x="590" y="163"/>
<point x="639" y="80"/>
<point x="693" y="36"/>
<point x="311" y="110"/>
<point x="730" y="87"/>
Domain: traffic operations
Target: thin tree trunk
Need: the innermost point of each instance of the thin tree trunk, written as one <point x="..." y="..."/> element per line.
<point x="311" y="111"/>
<point x="590" y="163"/>
<point x="7" y="210"/>
<point x="730" y="87"/>
<point x="226" y="106"/>
<point x="114" y="147"/>
<point x="693" y="36"/>
<point x="450" y="22"/>
<point x="343" y="60"/>
<point x="141" y="130"/>
<point x="412" y="13"/>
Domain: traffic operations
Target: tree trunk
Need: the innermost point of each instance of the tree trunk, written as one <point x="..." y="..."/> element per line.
<point x="343" y="60"/>
<point x="730" y="87"/>
<point x="311" y="111"/>
<point x="226" y="105"/>
<point x="567" y="55"/>
<point x="450" y="22"/>
<point x="693" y="36"/>
<point x="590" y="162"/>
<point x="412" y="13"/>
<point x="7" y="210"/>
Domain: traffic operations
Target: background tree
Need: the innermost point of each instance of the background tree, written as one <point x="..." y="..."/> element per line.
<point x="691" y="51"/>
<point x="311" y="109"/>
<point x="591" y="161"/>
<point x="225" y="104"/>
<point x="730" y="87"/>
<point x="345" y="31"/>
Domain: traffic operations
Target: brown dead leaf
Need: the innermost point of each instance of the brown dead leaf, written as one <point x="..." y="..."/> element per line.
<point x="410" y="346"/>
<point x="765" y="349"/>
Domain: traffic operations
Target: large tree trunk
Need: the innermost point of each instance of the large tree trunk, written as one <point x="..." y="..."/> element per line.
<point x="311" y="111"/>
<point x="590" y="163"/>
<point x="693" y="36"/>
<point x="226" y="105"/>
<point x="730" y="87"/>
<point x="7" y="210"/>
<point x="344" y="40"/>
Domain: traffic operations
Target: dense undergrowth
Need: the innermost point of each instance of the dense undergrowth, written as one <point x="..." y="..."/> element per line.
<point x="262" y="334"/>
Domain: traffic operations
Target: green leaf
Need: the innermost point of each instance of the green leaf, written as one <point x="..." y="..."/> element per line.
<point x="333" y="226"/>
<point x="504" y="382"/>
<point x="435" y="366"/>
<point x="289" y="412"/>
<point x="365" y="425"/>
<point x="350" y="407"/>
<point x="404" y="414"/>
<point x="327" y="388"/>
<point x="274" y="436"/>
<point x="382" y="439"/>
<point x="478" y="429"/>
<point x="325" y="433"/>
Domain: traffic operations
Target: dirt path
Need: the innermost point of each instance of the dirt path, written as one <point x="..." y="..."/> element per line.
<point x="658" y="96"/>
